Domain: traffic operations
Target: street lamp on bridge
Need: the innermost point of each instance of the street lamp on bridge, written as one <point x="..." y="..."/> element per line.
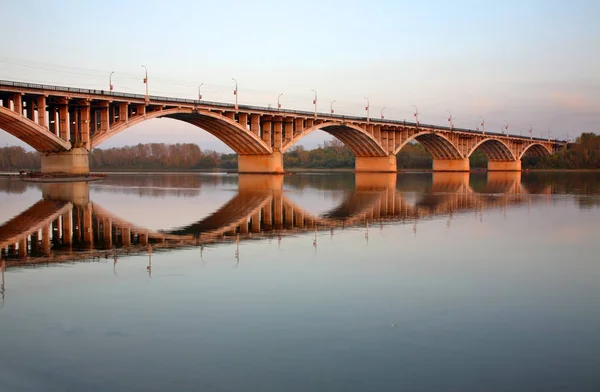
<point x="235" y="92"/>
<point x="331" y="106"/>
<point x="450" y="121"/>
<point x="367" y="108"/>
<point x="110" y="85"/>
<point x="482" y="125"/>
<point x="279" y="101"/>
<point x="382" y="109"/>
<point x="530" y="132"/>
<point x="315" y="101"/>
<point x="199" y="93"/>
<point x="416" y="115"/>
<point x="146" y="82"/>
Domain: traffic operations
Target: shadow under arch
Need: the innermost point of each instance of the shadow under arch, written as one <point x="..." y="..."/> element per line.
<point x="536" y="149"/>
<point x="494" y="149"/>
<point x="31" y="132"/>
<point x="437" y="145"/>
<point x="360" y="142"/>
<point x="235" y="136"/>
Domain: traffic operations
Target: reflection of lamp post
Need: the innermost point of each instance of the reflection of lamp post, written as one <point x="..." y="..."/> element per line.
<point x="278" y="101"/>
<point x="235" y="92"/>
<point x="382" y="109"/>
<point x="199" y="93"/>
<point x="367" y="108"/>
<point x="146" y="82"/>
<point x="110" y="80"/>
<point x="331" y="106"/>
<point x="315" y="101"/>
<point x="416" y="115"/>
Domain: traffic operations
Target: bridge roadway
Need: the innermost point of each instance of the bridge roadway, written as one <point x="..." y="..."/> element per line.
<point x="66" y="225"/>
<point x="65" y="123"/>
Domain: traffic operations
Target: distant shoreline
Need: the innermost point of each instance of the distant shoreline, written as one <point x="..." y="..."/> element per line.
<point x="15" y="174"/>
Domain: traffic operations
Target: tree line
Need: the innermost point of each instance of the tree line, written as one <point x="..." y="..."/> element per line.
<point x="584" y="154"/>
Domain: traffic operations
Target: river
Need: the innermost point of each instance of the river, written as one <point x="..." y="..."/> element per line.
<point x="308" y="282"/>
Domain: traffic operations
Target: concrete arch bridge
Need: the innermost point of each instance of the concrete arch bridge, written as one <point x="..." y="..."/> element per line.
<point x="65" y="123"/>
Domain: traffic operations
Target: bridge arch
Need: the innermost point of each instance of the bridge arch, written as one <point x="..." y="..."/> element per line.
<point x="360" y="142"/>
<point x="238" y="138"/>
<point x="536" y="149"/>
<point x="439" y="146"/>
<point x="494" y="149"/>
<point x="30" y="132"/>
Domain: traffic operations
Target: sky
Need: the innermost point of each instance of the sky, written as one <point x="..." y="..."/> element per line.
<point x="527" y="62"/>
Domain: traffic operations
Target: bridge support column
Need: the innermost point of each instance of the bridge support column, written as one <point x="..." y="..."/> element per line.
<point x="261" y="164"/>
<point x="451" y="164"/>
<point x="376" y="164"/>
<point x="504" y="165"/>
<point x="75" y="161"/>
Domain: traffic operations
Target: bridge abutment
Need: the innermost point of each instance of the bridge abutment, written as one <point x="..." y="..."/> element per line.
<point x="451" y="165"/>
<point x="376" y="164"/>
<point x="75" y="161"/>
<point x="261" y="164"/>
<point x="504" y="165"/>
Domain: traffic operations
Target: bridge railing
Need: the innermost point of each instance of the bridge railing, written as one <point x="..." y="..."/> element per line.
<point x="257" y="108"/>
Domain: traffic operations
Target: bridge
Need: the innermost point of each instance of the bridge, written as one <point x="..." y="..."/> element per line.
<point x="66" y="225"/>
<point x="65" y="123"/>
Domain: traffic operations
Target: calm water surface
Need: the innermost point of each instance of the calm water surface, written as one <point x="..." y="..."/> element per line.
<point x="415" y="282"/>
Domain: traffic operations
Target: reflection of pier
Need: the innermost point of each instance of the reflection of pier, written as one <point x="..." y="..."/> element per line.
<point x="66" y="222"/>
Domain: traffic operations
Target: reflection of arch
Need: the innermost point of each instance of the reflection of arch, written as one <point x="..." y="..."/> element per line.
<point x="436" y="144"/>
<point x="230" y="214"/>
<point x="361" y="143"/>
<point x="37" y="216"/>
<point x="495" y="150"/>
<point x="536" y="149"/>
<point x="238" y="138"/>
<point x="30" y="132"/>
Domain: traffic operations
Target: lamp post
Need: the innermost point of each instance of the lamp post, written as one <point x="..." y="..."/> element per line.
<point x="199" y="93"/>
<point x="279" y="101"/>
<point x="235" y="92"/>
<point x="315" y="101"/>
<point x="416" y="115"/>
<point x="530" y="132"/>
<point x="146" y="82"/>
<point x="450" y="121"/>
<point x="331" y="106"/>
<point x="367" y="108"/>
<point x="505" y="127"/>
<point x="110" y="85"/>
<point x="382" y="109"/>
<point x="482" y="125"/>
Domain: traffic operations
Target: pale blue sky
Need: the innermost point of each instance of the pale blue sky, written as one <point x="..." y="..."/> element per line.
<point x="527" y="62"/>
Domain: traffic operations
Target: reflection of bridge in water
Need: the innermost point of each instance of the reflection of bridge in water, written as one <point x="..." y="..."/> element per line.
<point x="66" y="225"/>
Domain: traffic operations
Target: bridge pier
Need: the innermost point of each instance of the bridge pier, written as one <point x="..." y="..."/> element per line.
<point x="376" y="164"/>
<point x="451" y="164"/>
<point x="261" y="164"/>
<point x="504" y="165"/>
<point x="75" y="161"/>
